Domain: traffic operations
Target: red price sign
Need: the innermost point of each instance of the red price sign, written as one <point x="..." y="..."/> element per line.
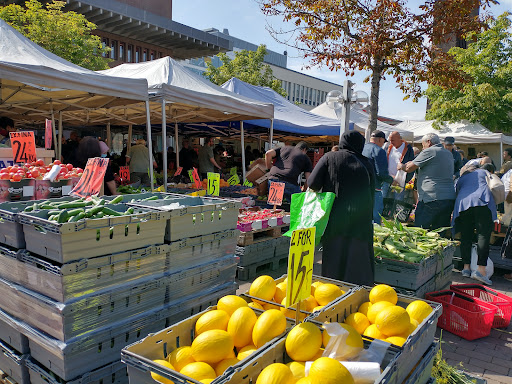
<point x="275" y="194"/>
<point x="48" y="132"/>
<point x="92" y="179"/>
<point x="178" y="171"/>
<point x="23" y="147"/>
<point x="196" y="178"/>
<point x="124" y="172"/>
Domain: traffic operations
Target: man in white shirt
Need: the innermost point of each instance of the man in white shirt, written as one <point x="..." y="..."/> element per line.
<point x="398" y="152"/>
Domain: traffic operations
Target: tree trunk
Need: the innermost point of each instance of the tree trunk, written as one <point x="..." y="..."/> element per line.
<point x="374" y="97"/>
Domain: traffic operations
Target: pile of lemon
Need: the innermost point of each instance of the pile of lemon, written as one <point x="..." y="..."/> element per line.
<point x="265" y="287"/>
<point x="382" y="319"/>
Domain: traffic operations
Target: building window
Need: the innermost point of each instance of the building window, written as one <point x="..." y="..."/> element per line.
<point x="137" y="54"/>
<point x="121" y="51"/>
<point x="104" y="42"/>
<point x="129" y="53"/>
<point x="302" y="94"/>
<point x="314" y="97"/>
<point x="113" y="47"/>
<point x="145" y="55"/>
<point x="289" y="91"/>
<point x="152" y="55"/>
<point x="160" y="55"/>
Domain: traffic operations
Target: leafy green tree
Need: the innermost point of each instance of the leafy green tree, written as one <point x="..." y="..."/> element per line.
<point x="66" y="34"/>
<point x="247" y="66"/>
<point x="487" y="96"/>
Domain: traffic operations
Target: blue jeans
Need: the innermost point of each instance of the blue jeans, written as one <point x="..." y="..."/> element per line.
<point x="289" y="189"/>
<point x="434" y="215"/>
<point x="378" y="207"/>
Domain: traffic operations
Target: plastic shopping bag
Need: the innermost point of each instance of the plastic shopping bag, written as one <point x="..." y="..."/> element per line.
<point x="400" y="178"/>
<point x="310" y="209"/>
<point x="489" y="269"/>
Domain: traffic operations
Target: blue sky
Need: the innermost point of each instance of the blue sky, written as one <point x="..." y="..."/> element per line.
<point x="244" y="20"/>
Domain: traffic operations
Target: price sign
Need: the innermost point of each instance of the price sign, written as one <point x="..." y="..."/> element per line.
<point x="195" y="178"/>
<point x="124" y="172"/>
<point x="23" y="147"/>
<point x="275" y="194"/>
<point x="234" y="180"/>
<point x="190" y="175"/>
<point x="232" y="171"/>
<point x="213" y="184"/>
<point x="300" y="265"/>
<point x="92" y="178"/>
<point x="247" y="183"/>
<point x="48" y="133"/>
<point x="178" y="171"/>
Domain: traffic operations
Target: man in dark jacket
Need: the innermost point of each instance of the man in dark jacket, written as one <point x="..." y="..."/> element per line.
<point x="449" y="144"/>
<point x="377" y="156"/>
<point x="399" y="151"/>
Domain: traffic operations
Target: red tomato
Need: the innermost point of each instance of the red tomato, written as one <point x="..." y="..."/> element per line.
<point x="4" y="170"/>
<point x="40" y="162"/>
<point x="69" y="167"/>
<point x="57" y="162"/>
<point x="35" y="173"/>
<point x="79" y="170"/>
<point x="4" y="176"/>
<point x="29" y="176"/>
<point x="14" y="168"/>
<point x="17" y="177"/>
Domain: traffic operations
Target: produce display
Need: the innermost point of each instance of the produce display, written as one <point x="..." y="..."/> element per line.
<point x="393" y="240"/>
<point x="37" y="170"/>
<point x="249" y="215"/>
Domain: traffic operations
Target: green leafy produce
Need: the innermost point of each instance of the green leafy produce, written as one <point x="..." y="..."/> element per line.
<point x="446" y="374"/>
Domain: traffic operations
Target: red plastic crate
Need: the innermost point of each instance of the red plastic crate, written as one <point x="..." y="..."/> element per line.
<point x="464" y="316"/>
<point x="502" y="301"/>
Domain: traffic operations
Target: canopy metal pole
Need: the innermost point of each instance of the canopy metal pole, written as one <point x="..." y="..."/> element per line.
<point x="150" y="145"/>
<point x="243" y="149"/>
<point x="54" y="131"/>
<point x="130" y="133"/>
<point x="60" y="136"/>
<point x="501" y="151"/>
<point x="164" y="139"/>
<point x="108" y="140"/>
<point x="271" y="132"/>
<point x="176" y="141"/>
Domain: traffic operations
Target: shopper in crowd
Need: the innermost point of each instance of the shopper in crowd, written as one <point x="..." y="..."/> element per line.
<point x="218" y="154"/>
<point x="398" y="151"/>
<point x="507" y="162"/>
<point x="416" y="151"/>
<point x="6" y="125"/>
<point x="474" y="211"/>
<point x="463" y="156"/>
<point x="171" y="158"/>
<point x="69" y="147"/>
<point x="188" y="157"/>
<point x="109" y="182"/>
<point x="249" y="157"/>
<point x="506" y="248"/>
<point x="207" y="161"/>
<point x="137" y="158"/>
<point x="335" y="148"/>
<point x="449" y="145"/>
<point x="373" y="151"/>
<point x="290" y="163"/>
<point x="436" y="191"/>
<point x="348" y="239"/>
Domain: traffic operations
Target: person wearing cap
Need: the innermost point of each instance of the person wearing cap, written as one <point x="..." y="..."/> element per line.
<point x="449" y="144"/>
<point x="399" y="151"/>
<point x="373" y="151"/>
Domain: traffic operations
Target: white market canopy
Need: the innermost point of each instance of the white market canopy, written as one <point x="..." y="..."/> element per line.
<point x="35" y="83"/>
<point x="191" y="97"/>
<point x="464" y="132"/>
<point x="361" y="121"/>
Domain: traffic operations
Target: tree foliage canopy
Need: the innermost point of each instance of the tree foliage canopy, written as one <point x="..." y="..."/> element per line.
<point x="487" y="95"/>
<point x="247" y="66"/>
<point x="384" y="37"/>
<point x="66" y="34"/>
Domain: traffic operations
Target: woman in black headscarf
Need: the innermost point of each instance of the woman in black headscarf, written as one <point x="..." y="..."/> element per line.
<point x="348" y="239"/>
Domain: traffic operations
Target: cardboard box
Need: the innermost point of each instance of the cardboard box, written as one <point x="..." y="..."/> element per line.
<point x="17" y="191"/>
<point x="46" y="189"/>
<point x="262" y="184"/>
<point x="255" y="173"/>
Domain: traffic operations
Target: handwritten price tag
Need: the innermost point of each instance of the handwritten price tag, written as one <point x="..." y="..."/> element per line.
<point x="48" y="133"/>
<point x="124" y="172"/>
<point x="92" y="178"/>
<point x="178" y="171"/>
<point x="195" y="178"/>
<point x="300" y="265"/>
<point x="247" y="183"/>
<point x="232" y="171"/>
<point x="213" y="184"/>
<point x="275" y="194"/>
<point x="234" y="180"/>
<point x="23" y="147"/>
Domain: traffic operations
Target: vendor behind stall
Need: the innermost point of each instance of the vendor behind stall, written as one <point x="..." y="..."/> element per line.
<point x="6" y="126"/>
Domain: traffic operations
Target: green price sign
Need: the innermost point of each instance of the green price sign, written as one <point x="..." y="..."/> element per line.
<point x="213" y="184"/>
<point x="234" y="180"/>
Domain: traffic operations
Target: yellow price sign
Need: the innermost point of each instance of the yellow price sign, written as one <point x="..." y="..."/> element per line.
<point x="247" y="183"/>
<point x="300" y="265"/>
<point x="232" y="171"/>
<point x="213" y="184"/>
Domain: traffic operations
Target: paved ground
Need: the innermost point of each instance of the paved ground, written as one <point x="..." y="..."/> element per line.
<point x="490" y="357"/>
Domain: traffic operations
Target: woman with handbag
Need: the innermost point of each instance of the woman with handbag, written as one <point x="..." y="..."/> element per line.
<point x="348" y="238"/>
<point x="475" y="210"/>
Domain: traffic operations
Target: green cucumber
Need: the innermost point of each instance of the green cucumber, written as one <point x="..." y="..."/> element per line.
<point x="150" y="198"/>
<point x="62" y="217"/>
<point x="77" y="217"/>
<point x="75" y="212"/>
<point x="117" y="200"/>
<point x="111" y="212"/>
<point x="93" y="211"/>
<point x="72" y="204"/>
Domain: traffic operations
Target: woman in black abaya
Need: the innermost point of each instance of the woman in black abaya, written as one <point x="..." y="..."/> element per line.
<point x="348" y="239"/>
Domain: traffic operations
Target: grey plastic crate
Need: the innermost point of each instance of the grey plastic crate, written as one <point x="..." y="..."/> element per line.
<point x="92" y="237"/>
<point x="13" y="364"/>
<point x="77" y="278"/>
<point x="195" y="216"/>
<point x="76" y="357"/>
<point x="416" y="344"/>
<point x="9" y="332"/>
<point x="422" y="372"/>
<point x="445" y="258"/>
<point x="197" y="250"/>
<point x="254" y="253"/>
<point x="114" y="373"/>
<point x="429" y="286"/>
<point x="403" y="274"/>
<point x="443" y="278"/>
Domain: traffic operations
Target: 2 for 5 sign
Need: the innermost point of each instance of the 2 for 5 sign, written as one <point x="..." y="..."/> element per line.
<point x="23" y="147"/>
<point x="92" y="179"/>
<point x="300" y="265"/>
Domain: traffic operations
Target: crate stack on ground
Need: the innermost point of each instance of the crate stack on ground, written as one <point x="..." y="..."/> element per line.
<point x="77" y="292"/>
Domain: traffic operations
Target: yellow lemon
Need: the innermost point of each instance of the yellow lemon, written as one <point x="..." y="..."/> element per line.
<point x="393" y="321"/>
<point x="396" y="340"/>
<point x="314" y="286"/>
<point x="373" y="331"/>
<point x="256" y="305"/>
<point x="215" y="319"/>
<point x="198" y="371"/>
<point x="225" y="364"/>
<point x="212" y="346"/>
<point x="329" y="371"/>
<point x="326" y="293"/>
<point x="270" y="324"/>
<point x="276" y="373"/>
<point x="298" y="369"/>
<point x="230" y="304"/>
<point x="376" y="308"/>
<point x="280" y="292"/>
<point x="180" y="357"/>
<point x="359" y="321"/>
<point x="240" y="326"/>
<point x="319" y="308"/>
<point x="159" y="378"/>
<point x="304" y="380"/>
<point x="264" y="287"/>
<point x="303" y="341"/>
<point x="419" y="310"/>
<point x="363" y="308"/>
<point x="383" y="292"/>
<point x="246" y="351"/>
